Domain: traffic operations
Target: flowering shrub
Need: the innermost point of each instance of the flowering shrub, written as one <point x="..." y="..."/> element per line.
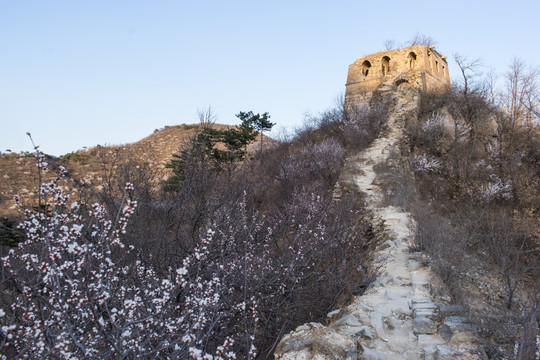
<point x="496" y="189"/>
<point x="219" y="269"/>
<point x="433" y="127"/>
<point x="79" y="294"/>
<point x="423" y="164"/>
<point x="353" y="126"/>
<point x="316" y="162"/>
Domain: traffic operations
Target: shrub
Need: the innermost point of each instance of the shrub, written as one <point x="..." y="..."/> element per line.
<point x="221" y="266"/>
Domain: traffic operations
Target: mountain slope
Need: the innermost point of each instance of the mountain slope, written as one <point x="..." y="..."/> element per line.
<point x="93" y="168"/>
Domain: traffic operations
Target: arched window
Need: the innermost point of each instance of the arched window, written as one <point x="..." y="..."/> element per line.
<point x="403" y="83"/>
<point x="385" y="65"/>
<point x="412" y="60"/>
<point x="366" y="65"/>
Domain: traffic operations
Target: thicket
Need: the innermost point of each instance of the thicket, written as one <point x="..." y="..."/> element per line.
<point x="220" y="266"/>
<point x="476" y="161"/>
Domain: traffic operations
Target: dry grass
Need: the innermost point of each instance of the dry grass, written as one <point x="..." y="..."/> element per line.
<point x="92" y="169"/>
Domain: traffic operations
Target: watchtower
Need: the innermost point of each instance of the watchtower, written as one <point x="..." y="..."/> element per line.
<point x="416" y="66"/>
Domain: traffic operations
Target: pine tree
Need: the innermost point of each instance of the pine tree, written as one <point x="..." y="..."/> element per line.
<point x="258" y="122"/>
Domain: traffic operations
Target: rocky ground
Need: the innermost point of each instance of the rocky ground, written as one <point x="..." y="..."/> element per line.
<point x="399" y="316"/>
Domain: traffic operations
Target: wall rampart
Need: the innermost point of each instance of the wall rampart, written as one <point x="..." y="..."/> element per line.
<point x="418" y="66"/>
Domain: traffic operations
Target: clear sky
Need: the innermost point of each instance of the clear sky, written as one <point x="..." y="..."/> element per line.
<point x="80" y="73"/>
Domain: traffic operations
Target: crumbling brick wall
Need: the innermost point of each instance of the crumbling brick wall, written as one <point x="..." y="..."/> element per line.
<point x="417" y="66"/>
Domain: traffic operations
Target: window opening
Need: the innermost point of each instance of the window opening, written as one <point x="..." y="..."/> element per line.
<point x="385" y="65"/>
<point x="412" y="60"/>
<point x="366" y="65"/>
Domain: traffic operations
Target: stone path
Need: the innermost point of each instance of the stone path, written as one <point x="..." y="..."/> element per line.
<point x="397" y="318"/>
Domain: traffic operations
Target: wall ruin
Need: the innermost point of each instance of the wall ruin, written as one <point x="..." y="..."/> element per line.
<point x="416" y="66"/>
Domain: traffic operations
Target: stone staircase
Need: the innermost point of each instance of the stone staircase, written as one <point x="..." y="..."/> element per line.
<point x="398" y="317"/>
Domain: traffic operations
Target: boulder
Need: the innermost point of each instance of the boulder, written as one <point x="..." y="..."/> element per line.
<point x="315" y="341"/>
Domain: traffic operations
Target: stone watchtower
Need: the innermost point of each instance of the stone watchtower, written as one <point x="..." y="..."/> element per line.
<point x="417" y="66"/>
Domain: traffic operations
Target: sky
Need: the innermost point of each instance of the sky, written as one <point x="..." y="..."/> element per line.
<point x="81" y="73"/>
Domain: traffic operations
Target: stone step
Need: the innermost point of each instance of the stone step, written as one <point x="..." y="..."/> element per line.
<point x="421" y="283"/>
<point x="424" y="325"/>
<point x="430" y="340"/>
<point x="397" y="292"/>
<point x="421" y="300"/>
<point x="424" y="306"/>
<point x="448" y="309"/>
<point x="459" y="323"/>
<point x="429" y="313"/>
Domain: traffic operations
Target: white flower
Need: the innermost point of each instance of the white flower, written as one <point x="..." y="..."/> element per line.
<point x="421" y="163"/>
<point x="77" y="228"/>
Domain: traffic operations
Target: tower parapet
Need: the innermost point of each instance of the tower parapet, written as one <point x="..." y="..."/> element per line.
<point x="417" y="66"/>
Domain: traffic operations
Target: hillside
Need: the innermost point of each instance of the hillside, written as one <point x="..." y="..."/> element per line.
<point x="234" y="252"/>
<point x="405" y="226"/>
<point x="94" y="168"/>
<point x="401" y="314"/>
<point x="456" y="191"/>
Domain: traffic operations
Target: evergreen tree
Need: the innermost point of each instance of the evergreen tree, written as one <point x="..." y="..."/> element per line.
<point x="258" y="122"/>
<point x="201" y="150"/>
<point x="204" y="147"/>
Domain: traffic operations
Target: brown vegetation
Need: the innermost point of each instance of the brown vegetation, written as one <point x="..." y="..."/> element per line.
<point x="477" y="173"/>
<point x="266" y="227"/>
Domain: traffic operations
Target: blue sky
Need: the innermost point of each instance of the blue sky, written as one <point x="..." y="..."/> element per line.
<point x="81" y="73"/>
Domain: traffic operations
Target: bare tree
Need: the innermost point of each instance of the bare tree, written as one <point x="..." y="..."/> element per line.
<point x="207" y="116"/>
<point x="417" y="39"/>
<point x="391" y="44"/>
<point x="521" y="98"/>
<point x="470" y="73"/>
<point x="421" y="39"/>
<point x="509" y="248"/>
<point x="519" y="102"/>
<point x="491" y="86"/>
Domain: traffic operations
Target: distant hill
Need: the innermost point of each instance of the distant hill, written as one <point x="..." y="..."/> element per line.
<point x="93" y="168"/>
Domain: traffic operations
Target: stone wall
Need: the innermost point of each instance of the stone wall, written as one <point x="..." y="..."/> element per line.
<point x="416" y="66"/>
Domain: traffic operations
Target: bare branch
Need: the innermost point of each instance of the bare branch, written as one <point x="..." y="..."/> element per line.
<point x="421" y="39"/>
<point x="207" y="116"/>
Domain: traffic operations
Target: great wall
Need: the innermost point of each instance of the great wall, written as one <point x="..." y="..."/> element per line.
<point x="401" y="315"/>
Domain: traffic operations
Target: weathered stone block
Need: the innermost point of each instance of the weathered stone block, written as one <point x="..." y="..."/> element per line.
<point x="399" y="306"/>
<point x="459" y="323"/>
<point x="316" y="342"/>
<point x="445" y="332"/>
<point x="424" y="325"/>
<point x="364" y="333"/>
<point x="424" y="313"/>
<point x="421" y="284"/>
<point x="446" y="310"/>
<point x="429" y="340"/>
<point x="348" y="320"/>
